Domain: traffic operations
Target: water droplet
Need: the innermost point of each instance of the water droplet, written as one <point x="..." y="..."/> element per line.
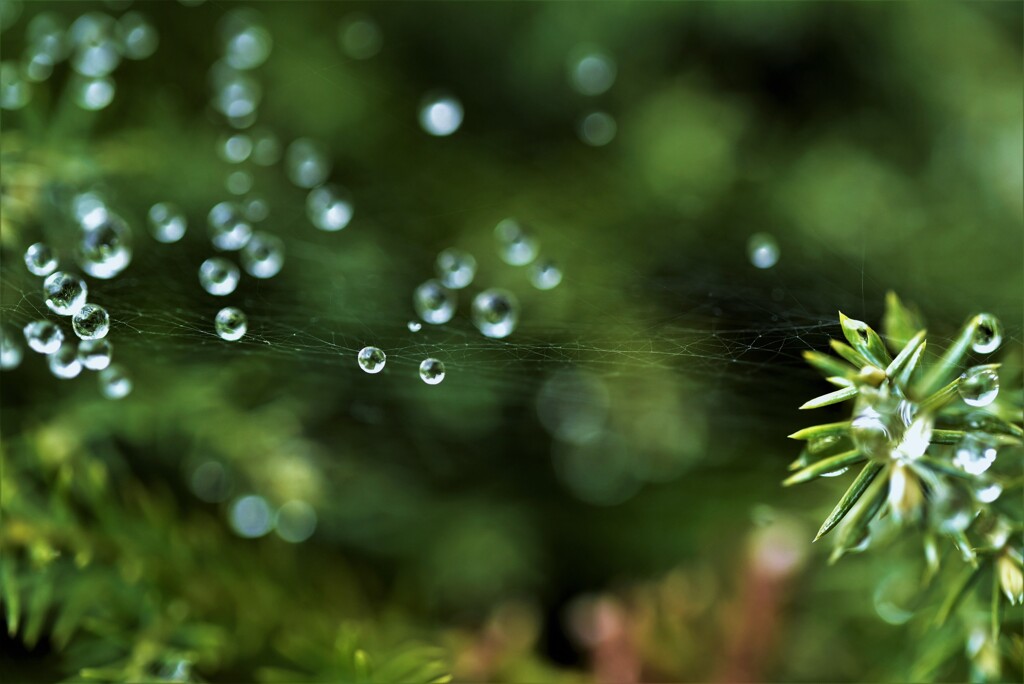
<point x="597" y="129"/>
<point x="266" y="150"/>
<point x="360" y="37"/>
<point x="251" y="516"/>
<point x="979" y="386"/>
<point x="211" y="482"/>
<point x="138" y="35"/>
<point x="371" y="359"/>
<point x="545" y="275"/>
<point x="495" y="313"/>
<point x="11" y="351"/>
<point x="236" y="95"/>
<point x="950" y="508"/>
<point x="414" y="326"/>
<point x="455" y="268"/>
<point x="64" y="363"/>
<point x="988" y="334"/>
<point x="92" y="94"/>
<point x="106" y="247"/>
<point x="115" y="383"/>
<point x="247" y="43"/>
<point x="440" y="114"/>
<point x="591" y="72"/>
<point x="40" y="259"/>
<point x="988" y="493"/>
<point x="167" y="223"/>
<point x="329" y="207"/>
<point x="431" y="371"/>
<point x="218" y="276"/>
<point x="65" y="293"/>
<point x="96" y="44"/>
<point x="91" y="322"/>
<point x="95" y="354"/>
<point x="37" y="66"/>
<point x="236" y="148"/>
<point x="516" y="246"/>
<point x="307" y="163"/>
<point x="15" y="91"/>
<point x="238" y="182"/>
<point x="255" y="208"/>
<point x="763" y="250"/>
<point x="434" y="302"/>
<point x="229" y="231"/>
<point x="263" y="255"/>
<point x="46" y="35"/>
<point x="43" y="337"/>
<point x="296" y="521"/>
<point x="231" y="324"/>
<point x="89" y="209"/>
<point x="975" y="453"/>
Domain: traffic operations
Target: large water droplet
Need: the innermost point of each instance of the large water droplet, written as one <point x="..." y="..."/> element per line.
<point x="115" y="382"/>
<point x="91" y="322"/>
<point x="495" y="313"/>
<point x="307" y="163"/>
<point x="988" y="334"/>
<point x="440" y="114"/>
<point x="43" y="337"/>
<point x="455" y="268"/>
<point x="64" y="363"/>
<point x="763" y="250"/>
<point x="40" y="259"/>
<point x="218" y="276"/>
<point x="975" y="453"/>
<point x="516" y="246"/>
<point x="263" y="255"/>
<point x="229" y="230"/>
<point x="329" y="207"/>
<point x="95" y="354"/>
<point x="434" y="302"/>
<point x="371" y="359"/>
<point x="431" y="371"/>
<point x="231" y="324"/>
<point x="167" y="223"/>
<point x="979" y="386"/>
<point x="65" y="293"/>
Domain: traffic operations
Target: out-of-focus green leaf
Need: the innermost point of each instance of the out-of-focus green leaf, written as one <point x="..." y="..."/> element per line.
<point x="899" y="323"/>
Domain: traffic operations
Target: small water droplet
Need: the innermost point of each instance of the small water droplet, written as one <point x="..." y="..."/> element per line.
<point x="516" y="246"/>
<point x="91" y="322"/>
<point x="15" y="91"/>
<point x="115" y="382"/>
<point x="495" y="313"/>
<point x="414" y="326"/>
<point x="92" y="93"/>
<point x="988" y="334"/>
<point x="434" y="302"/>
<point x="988" y="493"/>
<point x="64" y="363"/>
<point x="307" y="163"/>
<point x="218" y="276"/>
<point x="763" y="250"/>
<point x="251" y="516"/>
<point x="597" y="129"/>
<point x="65" y="293"/>
<point x="263" y="255"/>
<point x="591" y="71"/>
<point x="95" y="354"/>
<point x="975" y="453"/>
<point x="96" y="44"/>
<point x="229" y="230"/>
<point x="106" y="245"/>
<point x="138" y="36"/>
<point x="455" y="268"/>
<point x="236" y="148"/>
<point x="431" y="371"/>
<point x="371" y="359"/>
<point x="440" y="114"/>
<point x="295" y="521"/>
<point x="43" y="337"/>
<point x="360" y="37"/>
<point x="40" y="259"/>
<point x="979" y="386"/>
<point x="231" y="324"/>
<point x="247" y="42"/>
<point x="329" y="207"/>
<point x="11" y="351"/>
<point x="167" y="223"/>
<point x="545" y="274"/>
